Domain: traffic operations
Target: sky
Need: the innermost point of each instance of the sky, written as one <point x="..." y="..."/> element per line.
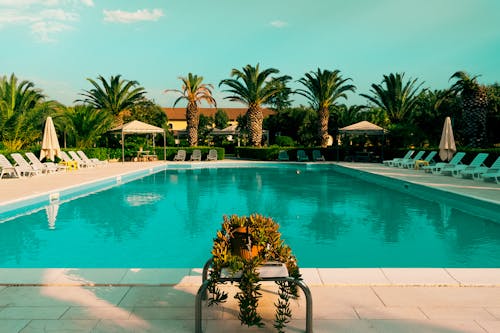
<point x="58" y="44"/>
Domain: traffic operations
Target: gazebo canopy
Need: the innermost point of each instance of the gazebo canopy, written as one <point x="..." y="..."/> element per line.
<point x="363" y="127"/>
<point x="138" y="127"/>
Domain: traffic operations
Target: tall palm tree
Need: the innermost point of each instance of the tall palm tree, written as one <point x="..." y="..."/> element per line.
<point x="19" y="102"/>
<point x="324" y="88"/>
<point x="116" y="97"/>
<point x="474" y="100"/>
<point x="194" y="91"/>
<point x="398" y="99"/>
<point x="256" y="89"/>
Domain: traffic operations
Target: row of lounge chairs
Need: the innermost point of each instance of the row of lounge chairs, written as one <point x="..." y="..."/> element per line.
<point x="476" y="170"/>
<point x="195" y="155"/>
<point x="301" y="156"/>
<point x="33" y="166"/>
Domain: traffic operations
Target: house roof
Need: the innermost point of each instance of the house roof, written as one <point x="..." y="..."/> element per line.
<point x="136" y="126"/>
<point x="232" y="113"/>
<point x="363" y="127"/>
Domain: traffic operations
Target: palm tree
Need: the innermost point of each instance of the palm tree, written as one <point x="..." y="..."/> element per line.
<point x="474" y="100"/>
<point x="84" y="123"/>
<point x="19" y="102"/>
<point x="397" y="99"/>
<point x="116" y="97"/>
<point x="324" y="88"/>
<point x="194" y="91"/>
<point x="256" y="89"/>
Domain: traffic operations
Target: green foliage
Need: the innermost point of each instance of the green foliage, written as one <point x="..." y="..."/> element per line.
<point x="116" y="96"/>
<point x="397" y="98"/>
<point x="299" y="123"/>
<point x="23" y="110"/>
<point x="261" y="154"/>
<point x="148" y="112"/>
<point x="82" y="125"/>
<point x="230" y="245"/>
<point x="205" y="127"/>
<point x="284" y="141"/>
<point x="221" y="119"/>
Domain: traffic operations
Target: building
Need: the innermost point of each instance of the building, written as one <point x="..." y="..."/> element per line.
<point x="177" y="116"/>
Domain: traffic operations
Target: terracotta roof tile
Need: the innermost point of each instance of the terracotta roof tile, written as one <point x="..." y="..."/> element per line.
<point x="233" y="113"/>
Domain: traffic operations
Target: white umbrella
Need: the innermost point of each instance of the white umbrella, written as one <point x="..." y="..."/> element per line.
<point x="50" y="144"/>
<point x="447" y="146"/>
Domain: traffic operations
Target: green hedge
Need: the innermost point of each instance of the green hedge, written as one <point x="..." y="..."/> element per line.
<point x="271" y="153"/>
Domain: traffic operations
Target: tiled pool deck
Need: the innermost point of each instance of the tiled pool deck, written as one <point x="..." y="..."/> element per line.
<point x="162" y="300"/>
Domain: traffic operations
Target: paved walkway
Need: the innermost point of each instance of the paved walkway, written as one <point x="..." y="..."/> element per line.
<point x="345" y="300"/>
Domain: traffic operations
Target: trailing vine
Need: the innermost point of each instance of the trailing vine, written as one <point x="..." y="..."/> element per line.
<point x="240" y="246"/>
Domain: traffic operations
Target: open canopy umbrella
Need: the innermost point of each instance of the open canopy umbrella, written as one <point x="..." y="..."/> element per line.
<point x="50" y="144"/>
<point x="447" y="146"/>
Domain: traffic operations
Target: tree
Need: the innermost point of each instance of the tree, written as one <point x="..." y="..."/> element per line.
<point x="397" y="99"/>
<point x="22" y="110"/>
<point x="221" y="119"/>
<point x="255" y="90"/>
<point x="194" y="91"/>
<point x="84" y="123"/>
<point x="324" y="88"/>
<point x="116" y="97"/>
<point x="148" y="112"/>
<point x="474" y="101"/>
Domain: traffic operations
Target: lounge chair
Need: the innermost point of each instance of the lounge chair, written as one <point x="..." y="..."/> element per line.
<point x="438" y="167"/>
<point x="196" y="155"/>
<point x="25" y="167"/>
<point x="301" y="156"/>
<point x="316" y="154"/>
<point x="180" y="156"/>
<point x="8" y="169"/>
<point x="397" y="160"/>
<point x="283" y="156"/>
<point x="476" y="172"/>
<point x="87" y="160"/>
<point x="81" y="163"/>
<point x="410" y="162"/>
<point x="46" y="167"/>
<point x="457" y="169"/>
<point x="212" y="155"/>
<point x="491" y="175"/>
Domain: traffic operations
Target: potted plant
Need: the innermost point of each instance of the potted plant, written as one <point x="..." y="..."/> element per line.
<point x="240" y="247"/>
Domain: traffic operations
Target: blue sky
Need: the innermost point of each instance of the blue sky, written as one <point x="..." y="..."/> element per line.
<point x="57" y="44"/>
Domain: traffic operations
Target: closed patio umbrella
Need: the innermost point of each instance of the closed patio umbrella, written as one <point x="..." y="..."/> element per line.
<point x="50" y="144"/>
<point x="447" y="146"/>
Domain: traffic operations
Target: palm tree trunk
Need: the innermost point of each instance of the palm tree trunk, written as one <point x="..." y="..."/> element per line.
<point x="255" y="119"/>
<point x="323" y="127"/>
<point x="192" y="118"/>
<point x="474" y="113"/>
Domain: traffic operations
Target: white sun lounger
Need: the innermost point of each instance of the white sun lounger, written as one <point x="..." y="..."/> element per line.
<point x="25" y="167"/>
<point x="46" y="167"/>
<point x="7" y="168"/>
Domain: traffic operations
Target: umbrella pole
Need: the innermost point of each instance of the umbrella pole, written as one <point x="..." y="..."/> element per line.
<point x="123" y="147"/>
<point x="164" y="147"/>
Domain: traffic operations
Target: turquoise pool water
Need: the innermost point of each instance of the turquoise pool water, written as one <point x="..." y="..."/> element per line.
<point x="168" y="220"/>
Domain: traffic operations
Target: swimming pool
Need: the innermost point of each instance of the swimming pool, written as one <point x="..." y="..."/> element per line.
<point x="168" y="220"/>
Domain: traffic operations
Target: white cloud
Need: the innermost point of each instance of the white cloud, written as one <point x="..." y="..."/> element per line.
<point x="89" y="3"/>
<point x="45" y="18"/>
<point x="24" y="3"/>
<point x="59" y="14"/>
<point x="278" y="24"/>
<point x="44" y="30"/>
<point x="130" y="17"/>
